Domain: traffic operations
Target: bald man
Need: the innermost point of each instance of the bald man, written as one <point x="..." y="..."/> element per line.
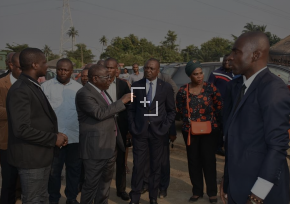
<point x="7" y="61"/>
<point x="256" y="127"/>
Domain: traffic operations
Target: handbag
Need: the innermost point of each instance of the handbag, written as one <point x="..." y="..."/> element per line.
<point x="196" y="128"/>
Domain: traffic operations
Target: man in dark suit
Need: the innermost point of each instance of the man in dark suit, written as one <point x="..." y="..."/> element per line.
<point x="117" y="89"/>
<point x="32" y="128"/>
<point x="99" y="134"/>
<point x="7" y="61"/>
<point x="256" y="129"/>
<point x="150" y="116"/>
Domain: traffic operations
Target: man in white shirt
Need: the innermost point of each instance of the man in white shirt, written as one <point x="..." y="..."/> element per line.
<point x="125" y="75"/>
<point x="61" y="92"/>
<point x="136" y="76"/>
<point x="256" y="129"/>
<point x="9" y="173"/>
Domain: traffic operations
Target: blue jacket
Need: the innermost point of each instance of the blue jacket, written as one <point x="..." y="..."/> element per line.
<point x="257" y="138"/>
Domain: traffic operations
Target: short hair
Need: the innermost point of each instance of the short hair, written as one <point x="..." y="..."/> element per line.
<point x="15" y="57"/>
<point x="64" y="60"/>
<point x="126" y="69"/>
<point x="134" y="64"/>
<point x="95" y="69"/>
<point x="9" y="56"/>
<point x="101" y="62"/>
<point x="28" y="56"/>
<point x="155" y="60"/>
<point x="226" y="55"/>
<point x="111" y="59"/>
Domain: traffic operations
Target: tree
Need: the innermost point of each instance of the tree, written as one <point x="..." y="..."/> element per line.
<point x="103" y="40"/>
<point x="72" y="32"/>
<point x="212" y="50"/>
<point x="273" y="39"/>
<point x="16" y="48"/>
<point x="189" y="53"/>
<point x="47" y="51"/>
<point x="170" y="40"/>
<point x="80" y="55"/>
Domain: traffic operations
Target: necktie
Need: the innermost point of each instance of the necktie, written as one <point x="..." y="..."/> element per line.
<point x="241" y="94"/>
<point x="106" y="99"/>
<point x="149" y="94"/>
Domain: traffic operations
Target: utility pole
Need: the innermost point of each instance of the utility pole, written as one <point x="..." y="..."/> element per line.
<point x="66" y="24"/>
<point x="82" y="55"/>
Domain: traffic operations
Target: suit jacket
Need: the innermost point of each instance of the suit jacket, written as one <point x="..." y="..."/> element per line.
<point x="97" y="124"/>
<point x="122" y="88"/>
<point x="32" y="126"/>
<point x="138" y="123"/>
<point x="257" y="138"/>
<point x="5" y="85"/>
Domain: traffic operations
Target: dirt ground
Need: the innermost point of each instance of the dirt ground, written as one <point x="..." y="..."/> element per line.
<point x="179" y="190"/>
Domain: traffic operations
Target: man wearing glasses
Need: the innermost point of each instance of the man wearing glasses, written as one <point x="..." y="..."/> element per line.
<point x="61" y="92"/>
<point x="99" y="134"/>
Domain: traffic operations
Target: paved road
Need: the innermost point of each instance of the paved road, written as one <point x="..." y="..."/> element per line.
<point x="179" y="190"/>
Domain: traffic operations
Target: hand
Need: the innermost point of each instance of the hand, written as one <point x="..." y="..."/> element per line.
<point x="255" y="197"/>
<point x="127" y="97"/>
<point x="223" y="195"/>
<point x="61" y="140"/>
<point x="172" y="138"/>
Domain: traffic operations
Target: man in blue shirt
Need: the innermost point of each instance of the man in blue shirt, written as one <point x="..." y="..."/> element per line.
<point x="220" y="78"/>
<point x="61" y="92"/>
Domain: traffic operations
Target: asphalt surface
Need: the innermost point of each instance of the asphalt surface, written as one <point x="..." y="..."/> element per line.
<point x="179" y="190"/>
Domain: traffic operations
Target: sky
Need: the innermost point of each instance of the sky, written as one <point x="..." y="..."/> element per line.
<point x="39" y="22"/>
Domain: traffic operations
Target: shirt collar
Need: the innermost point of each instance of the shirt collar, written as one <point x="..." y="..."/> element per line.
<point x="31" y="80"/>
<point x="12" y="79"/>
<point x="95" y="87"/>
<point x="69" y="83"/>
<point x="249" y="81"/>
<point x="153" y="81"/>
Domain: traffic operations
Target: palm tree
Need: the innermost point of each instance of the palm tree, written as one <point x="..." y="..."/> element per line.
<point x="47" y="51"/>
<point x="72" y="32"/>
<point x="103" y="40"/>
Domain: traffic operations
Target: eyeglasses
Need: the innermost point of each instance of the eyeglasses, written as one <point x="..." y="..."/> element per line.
<point x="104" y="77"/>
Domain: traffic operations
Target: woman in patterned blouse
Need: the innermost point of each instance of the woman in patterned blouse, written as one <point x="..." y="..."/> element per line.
<point x="205" y="104"/>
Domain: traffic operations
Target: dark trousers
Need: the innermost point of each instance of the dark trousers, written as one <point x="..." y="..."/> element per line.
<point x="202" y="161"/>
<point x="9" y="179"/>
<point x="68" y="155"/>
<point x="98" y="174"/>
<point x="144" y="144"/>
<point x="120" y="171"/>
<point x="34" y="184"/>
<point x="165" y="168"/>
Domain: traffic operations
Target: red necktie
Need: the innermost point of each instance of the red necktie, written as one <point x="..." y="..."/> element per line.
<point x="106" y="99"/>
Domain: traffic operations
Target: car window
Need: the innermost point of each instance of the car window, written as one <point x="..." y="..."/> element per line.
<point x="170" y="71"/>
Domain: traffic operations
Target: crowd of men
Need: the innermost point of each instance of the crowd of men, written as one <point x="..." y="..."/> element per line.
<point x="86" y="126"/>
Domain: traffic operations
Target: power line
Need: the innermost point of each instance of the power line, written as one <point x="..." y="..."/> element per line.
<point x="31" y="12"/>
<point x="237" y="14"/>
<point x="23" y="3"/>
<point x="271" y="6"/>
<point x="152" y="19"/>
<point x="261" y="9"/>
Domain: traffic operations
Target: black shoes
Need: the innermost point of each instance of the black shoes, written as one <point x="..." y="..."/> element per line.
<point x="162" y="194"/>
<point x="72" y="202"/>
<point x="213" y="200"/>
<point x="123" y="195"/>
<point x="192" y="199"/>
<point x="153" y="202"/>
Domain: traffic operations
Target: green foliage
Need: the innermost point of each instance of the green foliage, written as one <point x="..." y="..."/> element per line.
<point x="16" y="48"/>
<point x="170" y="40"/>
<point x="72" y="32"/>
<point x="212" y="50"/>
<point x="76" y="56"/>
<point x="273" y="39"/>
<point x="103" y="40"/>
<point x="189" y="53"/>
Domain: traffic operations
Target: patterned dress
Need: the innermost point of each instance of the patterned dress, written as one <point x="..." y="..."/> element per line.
<point x="206" y="106"/>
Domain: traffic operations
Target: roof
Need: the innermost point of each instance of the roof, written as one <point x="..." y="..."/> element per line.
<point x="282" y="47"/>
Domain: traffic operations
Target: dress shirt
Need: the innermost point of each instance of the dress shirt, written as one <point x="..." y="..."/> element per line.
<point x="98" y="90"/>
<point x="12" y="79"/>
<point x="112" y="90"/>
<point x="124" y="76"/>
<point x="134" y="77"/>
<point x="262" y="187"/>
<point x="62" y="100"/>
<point x="154" y="85"/>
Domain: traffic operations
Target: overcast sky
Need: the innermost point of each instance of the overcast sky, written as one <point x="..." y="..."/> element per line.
<point x="38" y="22"/>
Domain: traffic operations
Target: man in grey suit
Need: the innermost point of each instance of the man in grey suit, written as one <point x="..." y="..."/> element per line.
<point x="99" y="134"/>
